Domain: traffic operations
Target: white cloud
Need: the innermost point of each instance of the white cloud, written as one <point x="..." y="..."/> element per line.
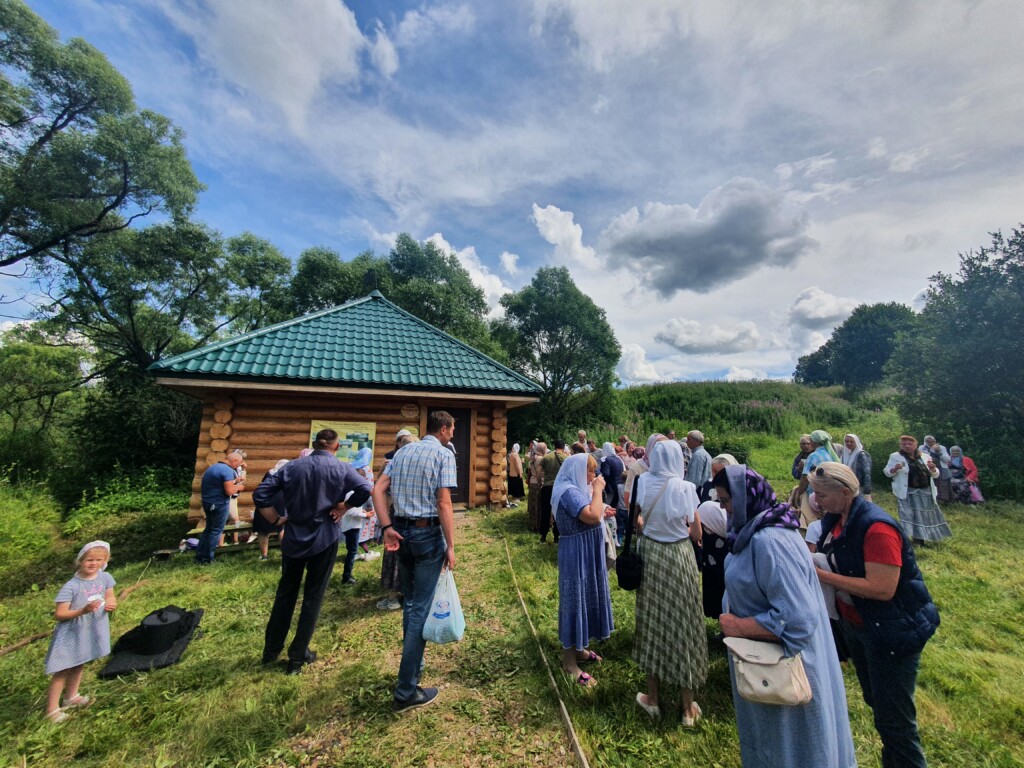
<point x="284" y="52"/>
<point x="814" y="308"/>
<point x="558" y="228"/>
<point x="509" y="262"/>
<point x="920" y="299"/>
<point x="425" y="26"/>
<point x="905" y="162"/>
<point x="818" y="165"/>
<point x="383" y="53"/>
<point x="634" y="367"/>
<point x="692" y="337"/>
<point x="738" y="227"/>
<point x="745" y="374"/>
<point x="876" y="148"/>
<point x="479" y="273"/>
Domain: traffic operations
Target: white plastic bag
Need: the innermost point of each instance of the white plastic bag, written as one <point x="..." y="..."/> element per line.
<point x="445" y="622"/>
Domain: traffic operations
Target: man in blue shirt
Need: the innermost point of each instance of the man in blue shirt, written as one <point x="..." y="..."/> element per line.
<point x="316" y="494"/>
<point x="220" y="482"/>
<point x="420" y="479"/>
<point x="698" y="471"/>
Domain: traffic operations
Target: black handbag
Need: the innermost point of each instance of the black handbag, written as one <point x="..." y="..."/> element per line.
<point x="629" y="568"/>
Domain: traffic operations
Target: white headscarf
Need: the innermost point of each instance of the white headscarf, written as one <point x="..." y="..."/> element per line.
<point x="712" y="517"/>
<point x="645" y="461"/>
<point x="572" y="474"/>
<point x="608" y="449"/>
<point x="515" y="447"/>
<point x="93" y="545"/>
<point x="850" y="457"/>
<point x="678" y="496"/>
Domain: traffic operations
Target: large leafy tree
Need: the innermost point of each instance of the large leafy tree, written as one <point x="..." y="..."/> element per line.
<point x="554" y="333"/>
<point x="858" y="350"/>
<point x="959" y="370"/>
<point x="78" y="159"/>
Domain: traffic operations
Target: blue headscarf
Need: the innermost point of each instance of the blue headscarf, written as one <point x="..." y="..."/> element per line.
<point x="363" y="458"/>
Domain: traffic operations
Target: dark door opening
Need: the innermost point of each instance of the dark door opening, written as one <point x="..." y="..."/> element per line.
<point x="463" y="452"/>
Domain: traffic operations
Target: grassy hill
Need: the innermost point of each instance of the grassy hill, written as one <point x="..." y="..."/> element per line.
<point x="218" y="707"/>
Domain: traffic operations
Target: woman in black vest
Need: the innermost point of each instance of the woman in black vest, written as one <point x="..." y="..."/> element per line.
<point x="886" y="611"/>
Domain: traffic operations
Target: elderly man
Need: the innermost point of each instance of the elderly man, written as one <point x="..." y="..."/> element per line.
<point x="698" y="471"/>
<point x="581" y="441"/>
<point x="420" y="479"/>
<point x="220" y="482"/>
<point x="316" y="493"/>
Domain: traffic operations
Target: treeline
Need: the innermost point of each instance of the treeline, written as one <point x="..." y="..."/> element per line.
<point x="956" y="367"/>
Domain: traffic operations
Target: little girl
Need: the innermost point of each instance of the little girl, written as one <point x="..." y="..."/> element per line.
<point x="83" y="628"/>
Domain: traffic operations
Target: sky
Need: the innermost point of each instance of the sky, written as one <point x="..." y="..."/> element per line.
<point x="726" y="179"/>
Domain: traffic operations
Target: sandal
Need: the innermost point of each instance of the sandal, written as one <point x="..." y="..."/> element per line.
<point x="79" y="702"/>
<point x="57" y="716"/>
<point x="588" y="657"/>
<point x="651" y="709"/>
<point x="690" y="720"/>
<point x="585" y="680"/>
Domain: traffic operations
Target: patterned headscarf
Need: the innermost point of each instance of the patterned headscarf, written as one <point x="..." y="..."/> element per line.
<point x="753" y="501"/>
<point x="824" y="439"/>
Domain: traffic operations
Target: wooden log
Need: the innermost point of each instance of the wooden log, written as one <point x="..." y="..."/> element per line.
<point x="497" y="482"/>
<point x="497" y="497"/>
<point x="214" y="456"/>
<point x="500" y="423"/>
<point x="497" y="457"/>
<point x="499" y="412"/>
<point x="498" y="446"/>
<point x="223" y="404"/>
<point x="498" y="435"/>
<point x="222" y="416"/>
<point x="220" y="431"/>
<point x="281" y="427"/>
<point x="324" y="413"/>
<point x="218" y="445"/>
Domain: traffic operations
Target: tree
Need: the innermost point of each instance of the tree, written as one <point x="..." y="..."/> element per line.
<point x="857" y="351"/>
<point x="77" y="158"/>
<point x="553" y="332"/>
<point x="260" y="275"/>
<point x="959" y="370"/>
<point x="36" y="377"/>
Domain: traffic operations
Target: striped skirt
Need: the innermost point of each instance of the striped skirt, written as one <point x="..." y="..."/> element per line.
<point x="921" y="517"/>
<point x="670" y="642"/>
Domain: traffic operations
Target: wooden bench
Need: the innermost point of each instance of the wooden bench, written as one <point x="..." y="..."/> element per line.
<point x="231" y="528"/>
<point x="165" y="554"/>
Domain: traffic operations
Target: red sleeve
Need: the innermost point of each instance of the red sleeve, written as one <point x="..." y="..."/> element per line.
<point x="882" y="544"/>
<point x="970" y="470"/>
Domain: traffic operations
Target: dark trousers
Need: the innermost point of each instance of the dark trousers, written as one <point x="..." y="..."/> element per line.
<point x="216" y="518"/>
<point x="351" y="550"/>
<point x="888" y="685"/>
<point x="547" y="517"/>
<point x="420" y="558"/>
<point x="318" y="569"/>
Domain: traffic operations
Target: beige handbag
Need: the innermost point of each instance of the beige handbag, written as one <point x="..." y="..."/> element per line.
<point x="765" y="675"/>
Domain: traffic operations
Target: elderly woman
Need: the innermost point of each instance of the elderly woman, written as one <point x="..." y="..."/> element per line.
<point x="913" y="474"/>
<point x="859" y="460"/>
<point x="584" y="601"/>
<point x="613" y="471"/>
<point x="940" y="456"/>
<point x="889" y="614"/>
<point x="669" y="644"/>
<point x="642" y="464"/>
<point x="515" y="474"/>
<point x="534" y="513"/>
<point x="773" y="595"/>
<point x="963" y="477"/>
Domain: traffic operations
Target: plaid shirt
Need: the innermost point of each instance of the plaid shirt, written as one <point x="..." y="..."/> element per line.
<point x="416" y="472"/>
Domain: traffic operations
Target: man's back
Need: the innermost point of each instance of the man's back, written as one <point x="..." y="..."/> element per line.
<point x="417" y="472"/>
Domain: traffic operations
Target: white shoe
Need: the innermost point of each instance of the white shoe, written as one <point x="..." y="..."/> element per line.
<point x="252" y="538"/>
<point x="372" y="555"/>
<point x="651" y="709"/>
<point x="691" y="720"/>
<point x="360" y="556"/>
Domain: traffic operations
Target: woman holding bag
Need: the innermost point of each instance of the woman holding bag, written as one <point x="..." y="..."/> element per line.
<point x="773" y="595"/>
<point x="584" y="600"/>
<point x="670" y="644"/>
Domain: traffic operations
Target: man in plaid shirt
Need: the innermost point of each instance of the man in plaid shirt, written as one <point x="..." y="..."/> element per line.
<point x="419" y="478"/>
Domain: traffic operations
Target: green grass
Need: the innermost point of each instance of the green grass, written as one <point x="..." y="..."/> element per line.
<point x="219" y="708"/>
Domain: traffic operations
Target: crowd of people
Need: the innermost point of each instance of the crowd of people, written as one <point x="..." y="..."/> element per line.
<point x="827" y="575"/>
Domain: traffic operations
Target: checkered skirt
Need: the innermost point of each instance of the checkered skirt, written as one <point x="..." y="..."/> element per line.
<point x="670" y="641"/>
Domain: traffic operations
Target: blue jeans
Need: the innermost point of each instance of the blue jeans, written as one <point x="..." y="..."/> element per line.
<point x="216" y="518"/>
<point x="420" y="558"/>
<point x="351" y="550"/>
<point x="888" y="685"/>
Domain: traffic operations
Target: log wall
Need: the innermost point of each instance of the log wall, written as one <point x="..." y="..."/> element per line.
<point x="271" y="426"/>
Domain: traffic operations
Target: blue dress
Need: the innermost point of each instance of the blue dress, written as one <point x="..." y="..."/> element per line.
<point x="83" y="638"/>
<point x="584" y="600"/>
<point x="773" y="580"/>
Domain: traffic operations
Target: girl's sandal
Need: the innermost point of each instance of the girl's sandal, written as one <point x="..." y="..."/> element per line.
<point x="79" y="702"/>
<point x="589" y="656"/>
<point x="57" y="716"/>
<point x="584" y="680"/>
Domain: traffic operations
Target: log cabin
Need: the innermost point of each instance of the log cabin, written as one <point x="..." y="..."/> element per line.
<point x="368" y="367"/>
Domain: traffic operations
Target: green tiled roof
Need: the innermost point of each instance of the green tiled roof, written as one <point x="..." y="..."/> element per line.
<point x="368" y="342"/>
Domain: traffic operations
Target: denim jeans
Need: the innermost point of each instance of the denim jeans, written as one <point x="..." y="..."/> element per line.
<point x="420" y="558"/>
<point x="216" y="518"/>
<point x="888" y="685"/>
<point x="317" y="569"/>
<point x="351" y="550"/>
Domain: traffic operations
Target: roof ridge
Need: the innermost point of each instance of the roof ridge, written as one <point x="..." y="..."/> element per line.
<point x="223" y="344"/>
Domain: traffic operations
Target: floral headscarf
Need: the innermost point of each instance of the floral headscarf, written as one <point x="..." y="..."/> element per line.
<point x="753" y="501"/>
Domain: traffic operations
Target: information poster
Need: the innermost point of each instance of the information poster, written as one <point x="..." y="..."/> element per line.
<point x="352" y="436"/>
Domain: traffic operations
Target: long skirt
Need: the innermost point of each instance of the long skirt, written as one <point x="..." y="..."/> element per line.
<point x="921" y="517"/>
<point x="515" y="487"/>
<point x="670" y="642"/>
<point x="944" y="489"/>
<point x="533" y="508"/>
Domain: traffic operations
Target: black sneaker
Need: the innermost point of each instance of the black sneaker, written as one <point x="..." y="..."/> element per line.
<point x="421" y="698"/>
<point x="294" y="667"/>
